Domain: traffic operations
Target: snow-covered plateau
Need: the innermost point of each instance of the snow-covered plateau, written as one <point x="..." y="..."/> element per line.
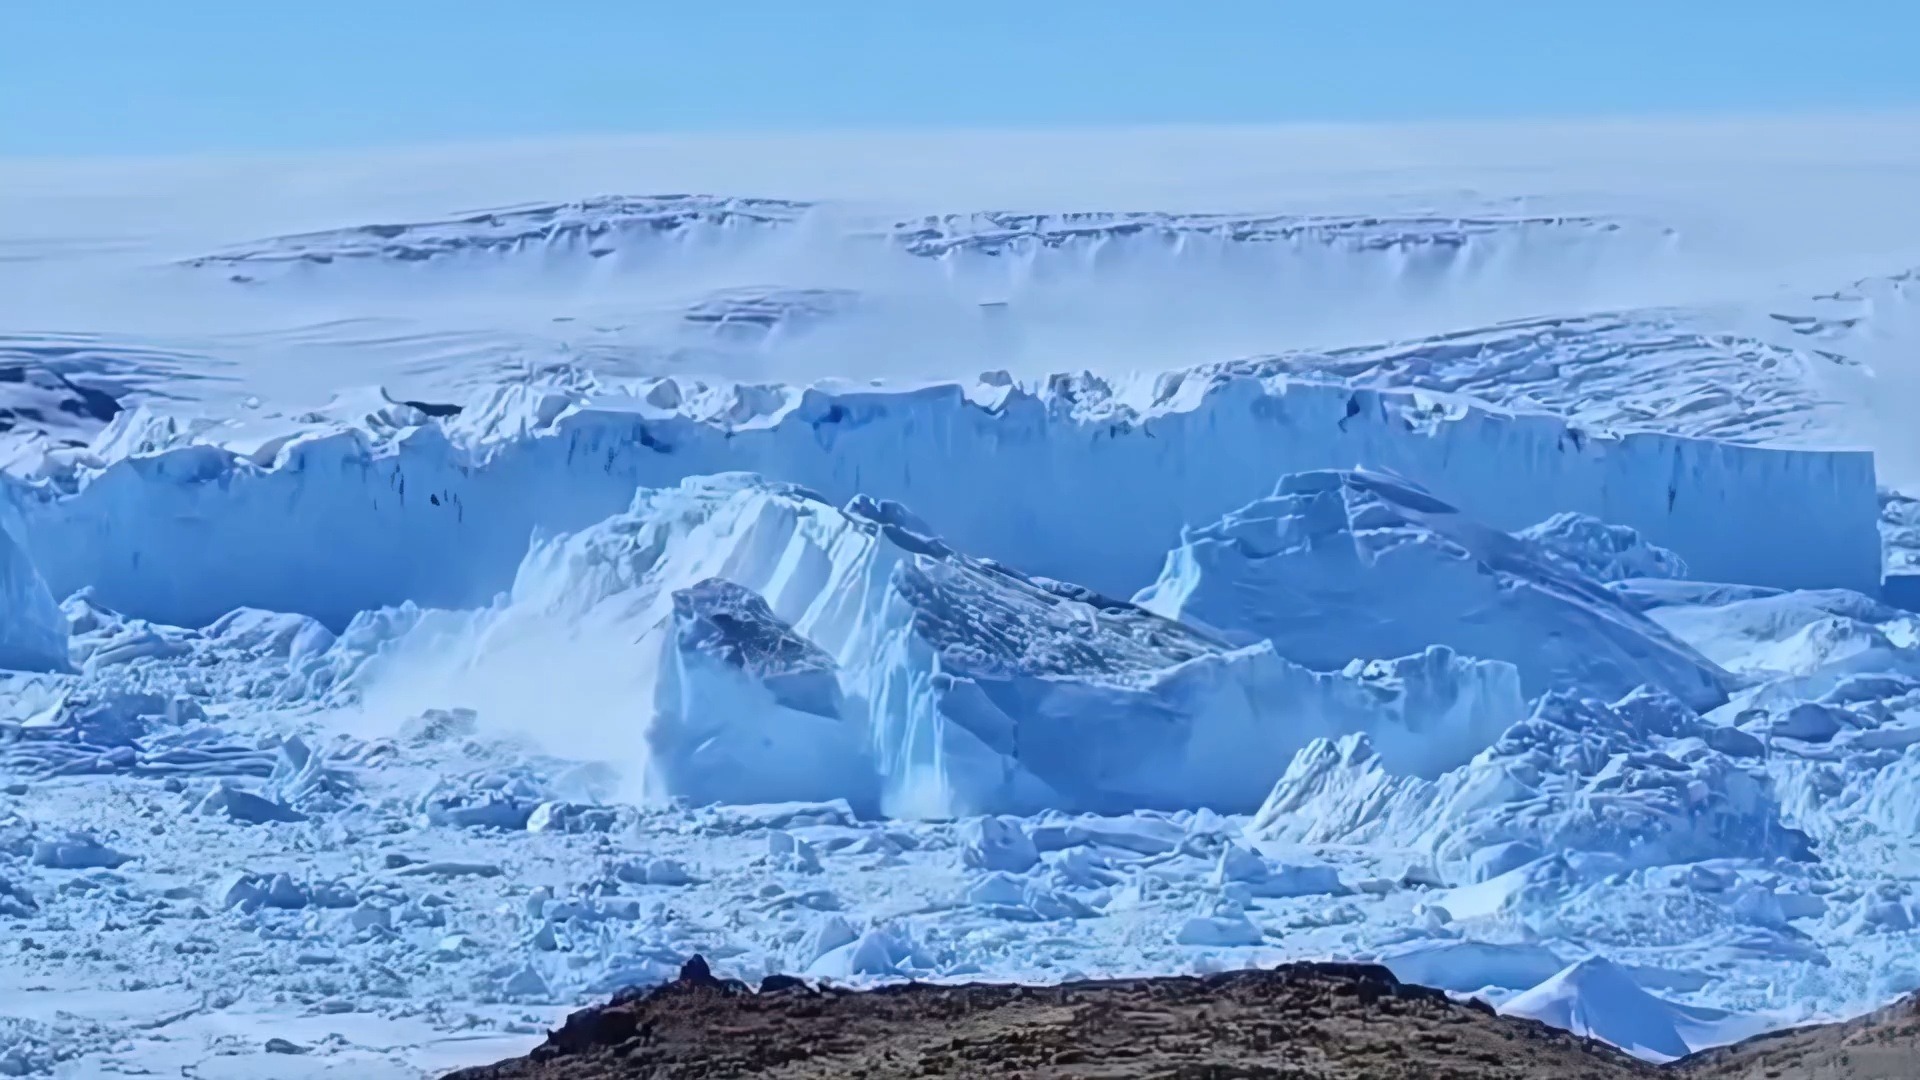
<point x="441" y="588"/>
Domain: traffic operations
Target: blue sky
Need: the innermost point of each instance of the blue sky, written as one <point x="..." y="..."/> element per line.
<point x="173" y="76"/>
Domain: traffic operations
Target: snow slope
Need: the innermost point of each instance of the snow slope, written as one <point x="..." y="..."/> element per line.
<point x="1596" y="999"/>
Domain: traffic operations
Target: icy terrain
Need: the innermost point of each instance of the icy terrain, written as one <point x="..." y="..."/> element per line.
<point x="1474" y="551"/>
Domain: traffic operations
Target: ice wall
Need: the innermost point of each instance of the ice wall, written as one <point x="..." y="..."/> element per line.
<point x="1072" y="481"/>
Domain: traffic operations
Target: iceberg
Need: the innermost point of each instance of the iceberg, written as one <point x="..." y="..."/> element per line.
<point x="753" y="642"/>
<point x="1343" y="565"/>
<point x="1636" y="781"/>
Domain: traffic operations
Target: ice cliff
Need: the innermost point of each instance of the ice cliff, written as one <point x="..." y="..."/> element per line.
<point x="1335" y="566"/>
<point x="623" y="227"/>
<point x="345" y="513"/>
<point x="33" y="631"/>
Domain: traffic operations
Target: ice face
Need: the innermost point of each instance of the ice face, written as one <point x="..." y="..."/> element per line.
<point x="33" y="631"/>
<point x="438" y="511"/>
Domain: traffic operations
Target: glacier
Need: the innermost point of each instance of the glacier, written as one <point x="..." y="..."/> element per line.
<point x="416" y="621"/>
<point x="223" y="524"/>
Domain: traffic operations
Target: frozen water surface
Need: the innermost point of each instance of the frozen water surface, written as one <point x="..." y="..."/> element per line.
<point x="441" y="588"/>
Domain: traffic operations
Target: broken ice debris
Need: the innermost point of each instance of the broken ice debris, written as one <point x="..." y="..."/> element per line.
<point x="244" y="806"/>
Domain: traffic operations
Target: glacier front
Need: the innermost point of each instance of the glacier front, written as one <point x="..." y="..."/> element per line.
<point x="382" y="503"/>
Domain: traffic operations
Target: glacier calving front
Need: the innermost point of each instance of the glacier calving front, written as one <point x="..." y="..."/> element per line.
<point x="335" y="518"/>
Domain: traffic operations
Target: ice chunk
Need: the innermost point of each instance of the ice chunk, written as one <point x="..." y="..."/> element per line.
<point x="553" y="816"/>
<point x="271" y="633"/>
<point x="244" y="806"/>
<point x="526" y="984"/>
<point x="998" y="887"/>
<point x="1590" y="547"/>
<point x="1809" y="721"/>
<point x="302" y="777"/>
<point x="1496" y="859"/>
<point x="748" y="711"/>
<point x="1222" y="928"/>
<point x="1251" y="870"/>
<point x="874" y="953"/>
<point x="238" y="890"/>
<point x="825" y="936"/>
<point x="76" y="851"/>
<point x="1466" y="966"/>
<point x="15" y="901"/>
<point x="1793" y="634"/>
<point x="283" y="892"/>
<point x="1141" y="834"/>
<point x="1337" y="566"/>
<point x="668" y="872"/>
<point x="790" y="852"/>
<point x="991" y="843"/>
<point x="370" y="916"/>
<point x="1632" y="780"/>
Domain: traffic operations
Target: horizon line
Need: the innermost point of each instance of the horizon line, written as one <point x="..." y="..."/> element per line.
<point x="1653" y="121"/>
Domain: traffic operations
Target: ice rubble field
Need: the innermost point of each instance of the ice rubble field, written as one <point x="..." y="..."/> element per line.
<point x="1478" y="552"/>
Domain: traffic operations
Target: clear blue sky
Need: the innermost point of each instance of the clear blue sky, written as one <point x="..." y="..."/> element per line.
<point x="167" y="76"/>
